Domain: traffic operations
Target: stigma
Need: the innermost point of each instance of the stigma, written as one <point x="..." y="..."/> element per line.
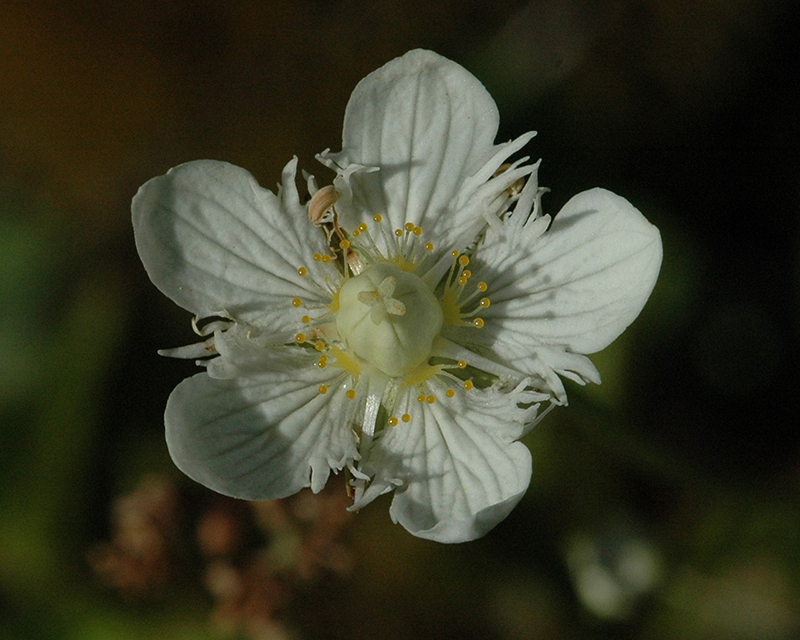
<point x="389" y="318"/>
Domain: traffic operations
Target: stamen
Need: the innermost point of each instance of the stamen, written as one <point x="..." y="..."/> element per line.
<point x="322" y="362"/>
<point x="392" y="421"/>
<point x="319" y="345"/>
<point x="449" y="393"/>
<point x="323" y="389"/>
<point x="377" y="254"/>
<point x="408" y="251"/>
<point x="305" y="319"/>
<point x="296" y="302"/>
<point x="421" y="398"/>
<point x="478" y="322"/>
<point x="321" y="203"/>
<point x="430" y="399"/>
<point x="363" y="241"/>
<point x="404" y="248"/>
<point x="388" y="241"/>
<point x="351" y="394"/>
<point x="406" y="418"/>
<point x="331" y="277"/>
<point x="468" y="385"/>
<point x="300" y="338"/>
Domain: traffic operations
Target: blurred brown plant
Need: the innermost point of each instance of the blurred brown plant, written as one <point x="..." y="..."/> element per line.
<point x="138" y="562"/>
<point x="253" y="557"/>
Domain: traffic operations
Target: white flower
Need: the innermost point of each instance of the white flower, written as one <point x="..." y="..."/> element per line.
<point x="407" y="325"/>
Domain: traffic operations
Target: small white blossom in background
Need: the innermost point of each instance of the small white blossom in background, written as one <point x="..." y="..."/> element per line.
<point x="408" y="325"/>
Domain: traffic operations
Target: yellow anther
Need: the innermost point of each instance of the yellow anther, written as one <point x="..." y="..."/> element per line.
<point x="417" y="231"/>
<point x="356" y="233"/>
<point x="377" y="217"/>
<point x="462" y="364"/>
<point x="485" y="302"/>
<point x="462" y="281"/>
<point x="362" y="228"/>
<point x="326" y="258"/>
<point x="392" y="421"/>
<point x="420" y="398"/>
<point x="323" y="388"/>
<point x="430" y="399"/>
<point x="482" y="287"/>
<point x="351" y="394"/>
<point x="319" y="345"/>
<point x="449" y="393"/>
<point x="296" y="302"/>
<point x="302" y="271"/>
<point x="322" y="362"/>
<point x="466" y="273"/>
<point x="409" y="226"/>
<point x="300" y="338"/>
<point x="478" y="322"/>
<point x="398" y="233"/>
<point x="406" y="418"/>
<point x="468" y="385"/>
<point x="454" y="253"/>
<point x="344" y="244"/>
<point x="317" y="257"/>
<point x="305" y="319"/>
<point x="428" y="246"/>
<point x="463" y="261"/>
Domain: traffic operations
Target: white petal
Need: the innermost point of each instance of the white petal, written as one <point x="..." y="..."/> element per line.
<point x="213" y="240"/>
<point x="428" y="126"/>
<point x="261" y="437"/>
<point x="576" y="286"/>
<point x="458" y="467"/>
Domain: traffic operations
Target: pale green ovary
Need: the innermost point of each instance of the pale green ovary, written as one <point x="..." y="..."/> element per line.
<point x="389" y="318"/>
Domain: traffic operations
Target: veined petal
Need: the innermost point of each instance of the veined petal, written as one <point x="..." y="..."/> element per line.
<point x="576" y="286"/>
<point x="213" y="240"/>
<point x="265" y="436"/>
<point x="428" y="125"/>
<point x="456" y="464"/>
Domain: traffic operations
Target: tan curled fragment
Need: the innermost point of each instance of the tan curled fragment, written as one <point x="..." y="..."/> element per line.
<point x="321" y="204"/>
<point x="515" y="188"/>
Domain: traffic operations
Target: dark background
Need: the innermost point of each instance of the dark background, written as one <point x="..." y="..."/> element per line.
<point x="665" y="503"/>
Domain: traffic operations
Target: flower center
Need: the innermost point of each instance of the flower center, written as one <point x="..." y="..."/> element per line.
<point x="388" y="318"/>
